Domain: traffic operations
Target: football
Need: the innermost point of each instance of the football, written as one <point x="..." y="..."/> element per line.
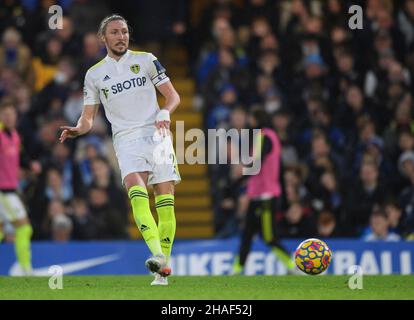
<point x="313" y="256"/>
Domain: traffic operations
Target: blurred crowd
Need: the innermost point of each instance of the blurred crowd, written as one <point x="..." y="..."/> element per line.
<point x="340" y="100"/>
<point x="72" y="191"/>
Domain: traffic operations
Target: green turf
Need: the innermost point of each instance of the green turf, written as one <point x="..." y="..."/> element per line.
<point x="212" y="288"/>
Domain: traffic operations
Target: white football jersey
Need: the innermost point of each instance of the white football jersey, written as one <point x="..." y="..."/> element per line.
<point x="127" y="91"/>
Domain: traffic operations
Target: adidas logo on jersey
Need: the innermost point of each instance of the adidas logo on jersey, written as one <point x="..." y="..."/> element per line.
<point x="106" y="78"/>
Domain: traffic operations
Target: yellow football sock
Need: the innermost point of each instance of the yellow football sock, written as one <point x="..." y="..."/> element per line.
<point x="143" y="217"/>
<point x="164" y="205"/>
<point x="22" y="246"/>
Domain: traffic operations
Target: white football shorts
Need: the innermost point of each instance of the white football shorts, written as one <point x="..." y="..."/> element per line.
<point x="154" y="155"/>
<point x="11" y="207"/>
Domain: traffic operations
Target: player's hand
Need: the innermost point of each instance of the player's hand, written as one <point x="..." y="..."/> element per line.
<point x="162" y="122"/>
<point x="163" y="127"/>
<point x="69" y="132"/>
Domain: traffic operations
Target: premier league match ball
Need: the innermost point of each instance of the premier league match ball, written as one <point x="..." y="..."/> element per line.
<point x="313" y="256"/>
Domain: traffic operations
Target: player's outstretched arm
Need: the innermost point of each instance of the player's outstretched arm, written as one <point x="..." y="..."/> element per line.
<point x="85" y="123"/>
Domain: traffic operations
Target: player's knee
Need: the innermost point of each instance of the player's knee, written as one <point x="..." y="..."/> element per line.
<point x="23" y="230"/>
<point x="21" y="222"/>
<point x="164" y="188"/>
<point x="135" y="179"/>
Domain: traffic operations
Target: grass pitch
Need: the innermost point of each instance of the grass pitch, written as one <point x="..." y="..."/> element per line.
<point x="209" y="288"/>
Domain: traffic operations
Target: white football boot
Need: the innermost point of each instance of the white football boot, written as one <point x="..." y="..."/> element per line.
<point x="159" y="280"/>
<point x="156" y="263"/>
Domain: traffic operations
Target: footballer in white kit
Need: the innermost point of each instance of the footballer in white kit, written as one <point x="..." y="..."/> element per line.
<point x="125" y="82"/>
<point x="126" y="88"/>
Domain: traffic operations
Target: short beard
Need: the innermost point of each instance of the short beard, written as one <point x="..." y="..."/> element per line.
<point x="119" y="53"/>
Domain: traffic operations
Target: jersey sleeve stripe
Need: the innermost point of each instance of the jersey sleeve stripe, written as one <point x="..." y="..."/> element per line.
<point x="163" y="77"/>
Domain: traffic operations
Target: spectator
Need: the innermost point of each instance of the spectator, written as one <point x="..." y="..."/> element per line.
<point x="371" y="146"/>
<point x="379" y="228"/>
<point x="84" y="224"/>
<point x="71" y="42"/>
<point x="406" y="141"/>
<point x="92" y="52"/>
<point x="259" y="8"/>
<point x="319" y="118"/>
<point x="401" y="121"/>
<point x="220" y="113"/>
<point x="282" y="124"/>
<point x="224" y="38"/>
<point x="44" y="65"/>
<point x="362" y="196"/>
<point x="86" y="15"/>
<point x="406" y="22"/>
<point x="267" y="93"/>
<point x="328" y="194"/>
<point x="296" y="222"/>
<point x="103" y="177"/>
<point x="406" y="165"/>
<point x="14" y="14"/>
<point x="88" y="149"/>
<point x="226" y="72"/>
<point x="352" y="109"/>
<point x="61" y="159"/>
<point x="394" y="215"/>
<point x="15" y="54"/>
<point x="109" y="225"/>
<point x="346" y="72"/>
<point x="294" y="186"/>
<point x="73" y="106"/>
<point x="55" y="188"/>
<point x="327" y="225"/>
<point x="238" y="118"/>
<point x="227" y="186"/>
<point x="61" y="228"/>
<point x="9" y="79"/>
<point x="55" y="208"/>
<point x="322" y="158"/>
<point x="334" y="14"/>
<point x="260" y="28"/>
<point x="50" y="100"/>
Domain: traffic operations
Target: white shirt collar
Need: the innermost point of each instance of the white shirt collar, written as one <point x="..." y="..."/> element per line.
<point x="123" y="58"/>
